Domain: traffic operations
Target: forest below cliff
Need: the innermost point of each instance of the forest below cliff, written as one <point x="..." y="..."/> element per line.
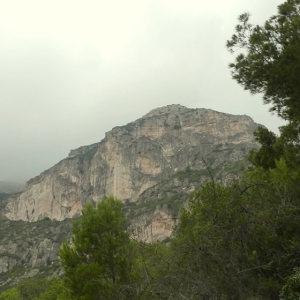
<point x="235" y="241"/>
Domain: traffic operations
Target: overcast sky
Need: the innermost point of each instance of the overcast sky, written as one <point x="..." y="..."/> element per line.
<point x="72" y="70"/>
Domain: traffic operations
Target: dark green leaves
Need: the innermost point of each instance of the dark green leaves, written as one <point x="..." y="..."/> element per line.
<point x="270" y="62"/>
<point x="96" y="264"/>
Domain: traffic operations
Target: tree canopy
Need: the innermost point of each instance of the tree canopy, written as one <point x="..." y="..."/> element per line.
<point x="269" y="61"/>
<point x="243" y="237"/>
<point x="97" y="264"/>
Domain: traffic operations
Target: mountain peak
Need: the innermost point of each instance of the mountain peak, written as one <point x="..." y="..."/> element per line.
<point x="135" y="157"/>
<point x="172" y="109"/>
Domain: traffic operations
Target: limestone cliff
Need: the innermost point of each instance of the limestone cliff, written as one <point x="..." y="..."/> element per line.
<point x="133" y="158"/>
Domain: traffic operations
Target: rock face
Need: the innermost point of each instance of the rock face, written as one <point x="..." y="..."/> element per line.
<point x="28" y="249"/>
<point x="133" y="158"/>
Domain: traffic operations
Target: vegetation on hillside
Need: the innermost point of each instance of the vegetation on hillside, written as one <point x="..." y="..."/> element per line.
<point x="236" y="241"/>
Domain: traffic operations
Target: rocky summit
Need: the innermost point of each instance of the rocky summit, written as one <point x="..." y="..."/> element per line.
<point x="134" y="158"/>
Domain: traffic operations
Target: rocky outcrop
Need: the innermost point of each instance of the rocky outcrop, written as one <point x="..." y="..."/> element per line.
<point x="153" y="227"/>
<point x="133" y="158"/>
<point x="34" y="255"/>
<point x="30" y="248"/>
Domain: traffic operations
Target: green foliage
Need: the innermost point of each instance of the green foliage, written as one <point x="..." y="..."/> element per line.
<point x="12" y="294"/>
<point x="32" y="288"/>
<point x="55" y="290"/>
<point x="244" y="239"/>
<point x="153" y="267"/>
<point x="38" y="289"/>
<point x="271" y="64"/>
<point x="291" y="289"/>
<point x="97" y="265"/>
<point x="192" y="175"/>
<point x="273" y="147"/>
<point x="269" y="151"/>
<point x="290" y="143"/>
<point x="207" y="243"/>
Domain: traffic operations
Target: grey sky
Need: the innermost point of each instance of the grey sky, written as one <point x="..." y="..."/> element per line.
<point x="72" y="70"/>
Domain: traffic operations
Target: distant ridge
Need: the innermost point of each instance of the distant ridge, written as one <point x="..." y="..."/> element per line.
<point x="10" y="187"/>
